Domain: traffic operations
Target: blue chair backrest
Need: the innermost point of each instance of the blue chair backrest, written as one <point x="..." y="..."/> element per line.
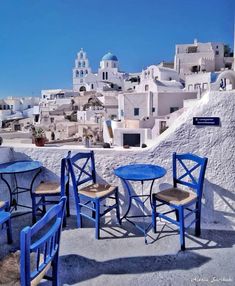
<point x="189" y="170"/>
<point x="82" y="168"/>
<point x="39" y="244"/>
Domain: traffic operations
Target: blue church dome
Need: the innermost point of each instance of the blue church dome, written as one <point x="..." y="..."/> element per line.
<point x="109" y="57"/>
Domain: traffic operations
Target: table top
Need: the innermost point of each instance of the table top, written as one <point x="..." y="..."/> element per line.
<point x="140" y="172"/>
<point x="19" y="167"/>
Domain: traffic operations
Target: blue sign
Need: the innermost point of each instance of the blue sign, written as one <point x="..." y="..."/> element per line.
<point x="206" y="121"/>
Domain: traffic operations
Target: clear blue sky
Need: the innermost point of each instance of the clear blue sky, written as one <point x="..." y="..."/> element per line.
<point x="39" y="39"/>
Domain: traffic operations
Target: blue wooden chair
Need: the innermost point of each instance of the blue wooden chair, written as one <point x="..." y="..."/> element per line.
<point x="5" y="219"/>
<point x="39" y="246"/>
<point x="188" y="171"/>
<point x="47" y="192"/>
<point x="92" y="196"/>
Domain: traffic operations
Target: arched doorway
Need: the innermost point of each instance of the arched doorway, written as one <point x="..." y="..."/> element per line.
<point x="82" y="88"/>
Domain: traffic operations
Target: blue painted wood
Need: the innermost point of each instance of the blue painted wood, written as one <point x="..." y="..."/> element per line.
<point x="5" y="219"/>
<point x="140" y="172"/>
<point x="19" y="167"/>
<point x="82" y="170"/>
<point x="195" y="184"/>
<point x="45" y="249"/>
<point x="40" y="201"/>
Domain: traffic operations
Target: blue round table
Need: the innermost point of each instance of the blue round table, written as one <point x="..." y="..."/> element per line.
<point x="19" y="167"/>
<point x="141" y="173"/>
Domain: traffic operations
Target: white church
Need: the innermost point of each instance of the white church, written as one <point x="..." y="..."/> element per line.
<point x="107" y="78"/>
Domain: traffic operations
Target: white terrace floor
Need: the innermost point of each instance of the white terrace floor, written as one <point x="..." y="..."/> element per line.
<point x="121" y="258"/>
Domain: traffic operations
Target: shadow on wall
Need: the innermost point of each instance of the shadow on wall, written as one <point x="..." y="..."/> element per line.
<point x="79" y="268"/>
<point x="46" y="175"/>
<point x="212" y="195"/>
<point x="24" y="180"/>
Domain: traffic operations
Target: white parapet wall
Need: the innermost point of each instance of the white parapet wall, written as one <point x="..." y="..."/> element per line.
<point x="215" y="142"/>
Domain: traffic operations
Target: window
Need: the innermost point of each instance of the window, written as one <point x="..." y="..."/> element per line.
<point x="195" y="69"/>
<point x="136" y="111"/>
<point x="190" y="87"/>
<point x="4" y="106"/>
<point x="217" y="53"/>
<point x="146" y="88"/>
<point x="163" y="126"/>
<point x="122" y="112"/>
<point x="77" y="73"/>
<point x="204" y="86"/>
<point x="81" y="55"/>
<point x="0" y="107"/>
<point x="153" y="109"/>
<point x="103" y="75"/>
<point x="29" y="106"/>
<point x="106" y="75"/>
<point x="52" y="119"/>
<point x="173" y="109"/>
<point x="192" y="49"/>
<point x="81" y="73"/>
<point x="79" y="64"/>
<point x="8" y="106"/>
<point x="83" y="64"/>
<point x="92" y="86"/>
<point x="197" y="86"/>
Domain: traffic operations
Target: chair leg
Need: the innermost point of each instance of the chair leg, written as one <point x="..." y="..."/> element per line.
<point x="182" y="229"/>
<point x="93" y="212"/>
<point x="34" y="206"/>
<point x="117" y="207"/>
<point x="9" y="231"/>
<point x="97" y="219"/>
<point x="44" y="205"/>
<point x="55" y="276"/>
<point x="154" y="223"/>
<point x="79" y="217"/>
<point x="67" y="201"/>
<point x="198" y="220"/>
<point x="64" y="221"/>
<point x="177" y="214"/>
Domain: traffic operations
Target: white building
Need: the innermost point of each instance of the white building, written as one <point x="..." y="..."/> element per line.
<point x="205" y="57"/>
<point x="107" y="78"/>
<point x="17" y="108"/>
<point x="143" y="112"/>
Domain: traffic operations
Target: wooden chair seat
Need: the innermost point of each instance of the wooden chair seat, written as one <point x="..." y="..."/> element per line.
<point x="97" y="190"/>
<point x="10" y="270"/>
<point x="2" y="203"/>
<point x="48" y="188"/>
<point x="176" y="196"/>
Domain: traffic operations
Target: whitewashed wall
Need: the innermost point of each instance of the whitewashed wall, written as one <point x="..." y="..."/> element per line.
<point x="217" y="143"/>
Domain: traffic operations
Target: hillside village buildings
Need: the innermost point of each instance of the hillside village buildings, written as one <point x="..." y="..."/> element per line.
<point x="129" y="109"/>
